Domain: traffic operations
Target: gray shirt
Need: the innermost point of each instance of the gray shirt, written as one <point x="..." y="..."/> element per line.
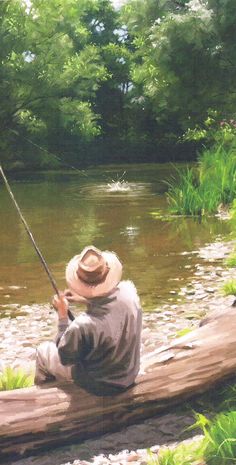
<point x="103" y="344"/>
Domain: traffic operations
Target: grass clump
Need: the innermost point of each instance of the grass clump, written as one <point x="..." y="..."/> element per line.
<point x="229" y="287"/>
<point x="231" y="260"/>
<point x="186" y="198"/>
<point x="219" y="446"/>
<point x="183" y="454"/>
<point x="15" y="379"/>
<point x="202" y="190"/>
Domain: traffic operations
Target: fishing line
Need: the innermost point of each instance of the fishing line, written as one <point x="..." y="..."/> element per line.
<point x="49" y="153"/>
<point x="83" y="172"/>
<point x="50" y="276"/>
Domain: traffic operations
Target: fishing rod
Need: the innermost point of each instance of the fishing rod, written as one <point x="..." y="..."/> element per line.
<point x="51" y="278"/>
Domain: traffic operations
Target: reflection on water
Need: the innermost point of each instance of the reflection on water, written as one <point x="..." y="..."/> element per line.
<point x="67" y="211"/>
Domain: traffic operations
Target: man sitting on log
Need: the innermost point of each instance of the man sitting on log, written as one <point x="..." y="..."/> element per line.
<point x="100" y="349"/>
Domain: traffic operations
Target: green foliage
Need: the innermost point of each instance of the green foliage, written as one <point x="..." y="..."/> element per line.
<point x="220" y="440"/>
<point x="229" y="287"/>
<point x="228" y="398"/>
<point x="15" y="379"/>
<point x="184" y="62"/>
<point x="185" y="198"/>
<point x="231" y="260"/>
<point x="218" y="446"/>
<point x="135" y="79"/>
<point x="201" y="191"/>
<point x="233" y="216"/>
<point x="54" y="62"/>
<point x="183" y="332"/>
<point x="180" y="455"/>
<point x="213" y="131"/>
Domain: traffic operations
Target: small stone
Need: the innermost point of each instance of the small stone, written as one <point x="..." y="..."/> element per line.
<point x="190" y="292"/>
<point x="155" y="449"/>
<point x="211" y="290"/>
<point x="133" y="457"/>
<point x="200" y="296"/>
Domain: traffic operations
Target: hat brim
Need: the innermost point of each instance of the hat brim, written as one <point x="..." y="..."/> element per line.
<point x="87" y="290"/>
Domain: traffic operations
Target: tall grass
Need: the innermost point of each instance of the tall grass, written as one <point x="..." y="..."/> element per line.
<point x="220" y="440"/>
<point x="181" y="455"/>
<point x="203" y="189"/>
<point x="15" y="379"/>
<point x="217" y="447"/>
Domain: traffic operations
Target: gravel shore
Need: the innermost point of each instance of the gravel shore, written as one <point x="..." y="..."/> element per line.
<point x="33" y="324"/>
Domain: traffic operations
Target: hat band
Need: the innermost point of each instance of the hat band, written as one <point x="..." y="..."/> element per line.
<point x="93" y="277"/>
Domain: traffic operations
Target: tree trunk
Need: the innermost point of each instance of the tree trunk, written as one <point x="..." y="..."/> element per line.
<point x="37" y="418"/>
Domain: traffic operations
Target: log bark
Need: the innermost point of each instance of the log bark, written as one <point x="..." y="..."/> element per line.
<point x="37" y="418"/>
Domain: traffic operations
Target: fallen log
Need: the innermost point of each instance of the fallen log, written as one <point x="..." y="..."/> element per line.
<point x="37" y="418"/>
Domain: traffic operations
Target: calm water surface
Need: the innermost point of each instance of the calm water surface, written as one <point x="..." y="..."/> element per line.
<point x="67" y="211"/>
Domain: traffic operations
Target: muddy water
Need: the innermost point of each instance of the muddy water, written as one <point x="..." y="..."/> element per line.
<point x="67" y="211"/>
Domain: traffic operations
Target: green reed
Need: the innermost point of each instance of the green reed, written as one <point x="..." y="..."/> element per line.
<point x="202" y="190"/>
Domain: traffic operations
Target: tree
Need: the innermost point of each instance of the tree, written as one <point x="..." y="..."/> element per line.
<point x="185" y="59"/>
<point x="47" y="84"/>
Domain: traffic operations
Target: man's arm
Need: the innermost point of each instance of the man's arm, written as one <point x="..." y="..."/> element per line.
<point x="61" y="305"/>
<point x="73" y="338"/>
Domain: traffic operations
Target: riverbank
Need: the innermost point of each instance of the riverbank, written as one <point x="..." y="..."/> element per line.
<point x="200" y="296"/>
<point x="24" y="327"/>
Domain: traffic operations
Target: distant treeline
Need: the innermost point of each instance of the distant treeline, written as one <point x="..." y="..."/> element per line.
<point x="91" y="84"/>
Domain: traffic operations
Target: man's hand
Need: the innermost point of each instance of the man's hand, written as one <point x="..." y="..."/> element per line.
<point x="61" y="304"/>
<point x="73" y="297"/>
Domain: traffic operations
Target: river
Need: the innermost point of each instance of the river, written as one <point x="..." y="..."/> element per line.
<point x="119" y="208"/>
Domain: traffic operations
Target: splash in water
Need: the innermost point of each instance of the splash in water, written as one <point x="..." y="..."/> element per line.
<point x="120" y="185"/>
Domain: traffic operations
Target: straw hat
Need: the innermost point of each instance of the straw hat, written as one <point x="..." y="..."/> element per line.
<point x="93" y="273"/>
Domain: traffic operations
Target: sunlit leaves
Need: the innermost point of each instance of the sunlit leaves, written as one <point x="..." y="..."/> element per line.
<point x="51" y="66"/>
<point x="79" y="117"/>
<point x="27" y="119"/>
<point x="85" y="66"/>
<point x="185" y="58"/>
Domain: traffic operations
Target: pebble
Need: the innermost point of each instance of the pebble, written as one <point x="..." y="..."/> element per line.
<point x="210" y="289"/>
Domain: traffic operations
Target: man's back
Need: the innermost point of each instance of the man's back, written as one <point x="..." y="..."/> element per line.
<point x="104" y="344"/>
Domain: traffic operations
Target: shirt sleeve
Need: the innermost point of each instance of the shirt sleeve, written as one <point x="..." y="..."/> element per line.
<point x="74" y="343"/>
<point x="63" y="324"/>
